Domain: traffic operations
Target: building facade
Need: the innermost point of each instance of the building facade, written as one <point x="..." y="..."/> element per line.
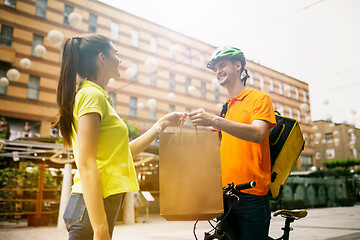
<point x="335" y="141"/>
<point x="163" y="70"/>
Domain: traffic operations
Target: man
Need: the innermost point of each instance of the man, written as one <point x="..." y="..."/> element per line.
<point x="244" y="149"/>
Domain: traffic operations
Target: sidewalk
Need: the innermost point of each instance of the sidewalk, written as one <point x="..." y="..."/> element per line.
<point x="321" y="223"/>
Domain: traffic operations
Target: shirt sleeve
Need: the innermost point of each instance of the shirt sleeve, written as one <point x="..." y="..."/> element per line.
<point x="91" y="101"/>
<point x="263" y="110"/>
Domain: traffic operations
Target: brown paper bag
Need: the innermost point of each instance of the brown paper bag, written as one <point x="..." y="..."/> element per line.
<point x="190" y="176"/>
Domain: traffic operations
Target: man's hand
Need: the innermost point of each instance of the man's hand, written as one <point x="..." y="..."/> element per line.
<point x="202" y="118"/>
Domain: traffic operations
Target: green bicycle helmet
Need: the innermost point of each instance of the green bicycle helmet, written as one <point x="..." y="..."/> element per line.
<point x="226" y="52"/>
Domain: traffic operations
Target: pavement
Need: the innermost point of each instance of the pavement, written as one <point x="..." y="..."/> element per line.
<point x="335" y="223"/>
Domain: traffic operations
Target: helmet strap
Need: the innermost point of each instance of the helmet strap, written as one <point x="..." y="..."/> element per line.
<point x="245" y="77"/>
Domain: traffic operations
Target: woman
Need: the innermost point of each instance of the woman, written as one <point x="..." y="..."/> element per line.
<point x="89" y="123"/>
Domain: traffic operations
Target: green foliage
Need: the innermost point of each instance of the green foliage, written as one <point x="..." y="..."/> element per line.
<point x="344" y="164"/>
<point x="25" y="178"/>
<point x="344" y="168"/>
<point x="132" y="128"/>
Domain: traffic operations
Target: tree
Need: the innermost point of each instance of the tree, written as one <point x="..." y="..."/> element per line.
<point x="132" y="128"/>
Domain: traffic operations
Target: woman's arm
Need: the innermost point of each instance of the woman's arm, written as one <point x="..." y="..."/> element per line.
<point x="88" y="138"/>
<point x="141" y="143"/>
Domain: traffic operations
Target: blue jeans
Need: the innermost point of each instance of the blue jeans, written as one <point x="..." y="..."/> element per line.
<point x="248" y="219"/>
<point x="77" y="219"/>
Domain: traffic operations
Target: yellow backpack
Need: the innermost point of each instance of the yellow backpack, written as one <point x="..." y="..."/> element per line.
<point x="286" y="144"/>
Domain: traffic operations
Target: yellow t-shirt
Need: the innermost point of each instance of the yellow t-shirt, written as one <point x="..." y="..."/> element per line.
<point x="243" y="161"/>
<point x="113" y="158"/>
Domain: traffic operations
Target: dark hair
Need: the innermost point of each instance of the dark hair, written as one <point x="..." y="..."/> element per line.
<point x="241" y="58"/>
<point x="79" y="57"/>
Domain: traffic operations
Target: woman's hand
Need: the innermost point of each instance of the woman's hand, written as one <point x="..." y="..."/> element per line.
<point x="172" y="119"/>
<point x="141" y="143"/>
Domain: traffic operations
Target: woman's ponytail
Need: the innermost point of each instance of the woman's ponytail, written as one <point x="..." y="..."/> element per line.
<point x="67" y="87"/>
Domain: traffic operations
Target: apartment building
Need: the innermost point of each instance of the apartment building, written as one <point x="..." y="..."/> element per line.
<point x="163" y="70"/>
<point x="335" y="141"/>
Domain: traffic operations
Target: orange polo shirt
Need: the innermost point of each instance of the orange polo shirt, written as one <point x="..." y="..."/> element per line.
<point x="243" y="161"/>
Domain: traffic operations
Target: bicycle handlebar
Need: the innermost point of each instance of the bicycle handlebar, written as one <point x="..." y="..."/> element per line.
<point x="230" y="188"/>
<point x="244" y="186"/>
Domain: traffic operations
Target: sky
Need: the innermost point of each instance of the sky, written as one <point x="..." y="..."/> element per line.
<point x="315" y="41"/>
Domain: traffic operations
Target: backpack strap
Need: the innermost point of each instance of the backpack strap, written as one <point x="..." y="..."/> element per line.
<point x="224" y="110"/>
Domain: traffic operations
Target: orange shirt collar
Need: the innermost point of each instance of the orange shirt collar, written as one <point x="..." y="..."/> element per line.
<point x="240" y="96"/>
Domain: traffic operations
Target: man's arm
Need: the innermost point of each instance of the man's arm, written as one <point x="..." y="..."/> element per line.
<point x="254" y="132"/>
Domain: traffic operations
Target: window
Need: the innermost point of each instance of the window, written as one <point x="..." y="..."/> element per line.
<point x="92" y="23"/>
<point x="297" y="94"/>
<point x="3" y="90"/>
<point x="10" y="3"/>
<point x="187" y="121"/>
<point x="217" y="94"/>
<point x="172" y="82"/>
<point x="40" y="10"/>
<point x="328" y="137"/>
<point x="203" y="89"/>
<point x="261" y="82"/>
<point x="152" y="113"/>
<point x="317" y="155"/>
<point x="299" y="115"/>
<point x="187" y="85"/>
<point x="6" y="35"/>
<point x="271" y="85"/>
<point x="354" y="153"/>
<point x="202" y="61"/>
<point x="289" y="91"/>
<point x="290" y="112"/>
<point x="306" y="162"/>
<point x="251" y="75"/>
<point x="135" y="38"/>
<point x="171" y="108"/>
<point x="352" y="136"/>
<point x="171" y="51"/>
<point x="112" y="96"/>
<point x="133" y="106"/>
<point x="67" y="10"/>
<point x="330" y="153"/>
<point x="37" y="40"/>
<point x="307" y="120"/>
<point x="153" y="79"/>
<point x="153" y="44"/>
<point x="187" y="55"/>
<point x="136" y="68"/>
<point x="33" y="88"/>
<point x="281" y="91"/>
<point x="281" y="109"/>
<point x="61" y="54"/>
<point x="114" y="31"/>
<point x="305" y="96"/>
